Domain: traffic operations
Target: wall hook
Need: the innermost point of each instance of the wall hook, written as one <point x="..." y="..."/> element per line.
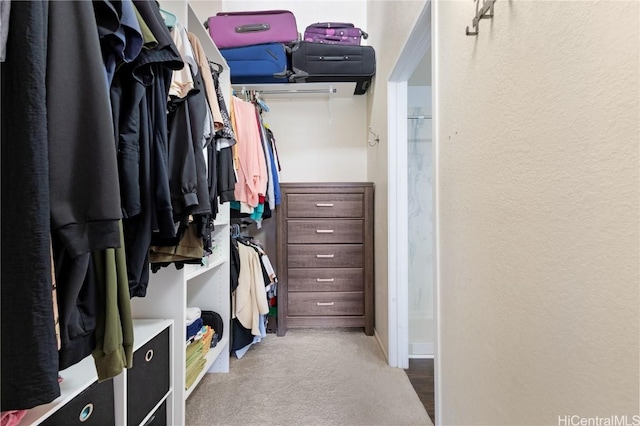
<point x="484" y="12"/>
<point x="474" y="23"/>
<point x="376" y="138"/>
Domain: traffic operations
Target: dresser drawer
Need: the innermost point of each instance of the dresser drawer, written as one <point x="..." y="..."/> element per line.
<point x="93" y="406"/>
<point x="148" y="380"/>
<point x="326" y="303"/>
<point x="326" y="279"/>
<point x="325" y="256"/>
<point x="325" y="205"/>
<point x="325" y="231"/>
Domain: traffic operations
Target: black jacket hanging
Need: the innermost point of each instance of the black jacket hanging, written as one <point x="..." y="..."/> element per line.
<point x="30" y="375"/>
<point x="139" y="100"/>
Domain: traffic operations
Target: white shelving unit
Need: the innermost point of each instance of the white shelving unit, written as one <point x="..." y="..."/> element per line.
<point x="211" y="357"/>
<point x="80" y="376"/>
<point x="171" y="291"/>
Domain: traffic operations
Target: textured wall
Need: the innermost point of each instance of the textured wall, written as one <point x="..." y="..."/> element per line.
<point x="320" y="140"/>
<point x="539" y="211"/>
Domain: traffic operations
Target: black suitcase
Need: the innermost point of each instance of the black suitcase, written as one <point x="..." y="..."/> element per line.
<point x="319" y="62"/>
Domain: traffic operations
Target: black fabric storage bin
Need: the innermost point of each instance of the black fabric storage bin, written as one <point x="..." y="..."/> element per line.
<point x="148" y="380"/>
<point x="159" y="417"/>
<point x="93" y="406"/>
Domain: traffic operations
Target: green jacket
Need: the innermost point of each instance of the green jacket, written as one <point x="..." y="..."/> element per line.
<point x="114" y="328"/>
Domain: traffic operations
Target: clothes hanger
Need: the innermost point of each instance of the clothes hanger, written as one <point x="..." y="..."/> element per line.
<point x="261" y="103"/>
<point x="235" y="230"/>
<point x="216" y="67"/>
<point x="170" y="19"/>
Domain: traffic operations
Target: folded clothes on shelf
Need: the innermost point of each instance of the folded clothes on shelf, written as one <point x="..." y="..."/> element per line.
<point x="193" y="329"/>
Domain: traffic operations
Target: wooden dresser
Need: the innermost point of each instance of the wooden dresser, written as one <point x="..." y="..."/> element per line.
<point x="325" y="256"/>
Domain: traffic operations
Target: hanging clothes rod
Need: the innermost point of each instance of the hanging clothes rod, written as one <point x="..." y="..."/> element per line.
<point x="419" y="117"/>
<point x="330" y="90"/>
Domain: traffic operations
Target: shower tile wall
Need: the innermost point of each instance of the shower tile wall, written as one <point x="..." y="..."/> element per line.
<point x="420" y="206"/>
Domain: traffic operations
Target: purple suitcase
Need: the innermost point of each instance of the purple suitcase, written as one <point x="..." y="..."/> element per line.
<point x="334" y="33"/>
<point x="237" y="29"/>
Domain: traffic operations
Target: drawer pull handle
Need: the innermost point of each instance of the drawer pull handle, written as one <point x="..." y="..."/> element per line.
<point x="150" y="421"/>
<point x="324" y="204"/>
<point x="149" y="355"/>
<point x="325" y="280"/>
<point x="324" y="256"/>
<point x="86" y="412"/>
<point x="324" y="231"/>
<point x="325" y="303"/>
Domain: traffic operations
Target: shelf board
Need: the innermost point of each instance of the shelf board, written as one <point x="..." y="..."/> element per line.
<point x="77" y="378"/>
<point x="203" y="269"/>
<point x="210" y="358"/>
<point x="299" y="90"/>
<point x="220" y="222"/>
<point x="146" y="329"/>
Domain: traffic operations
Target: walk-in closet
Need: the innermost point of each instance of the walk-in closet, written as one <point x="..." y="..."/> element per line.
<point x="143" y="222"/>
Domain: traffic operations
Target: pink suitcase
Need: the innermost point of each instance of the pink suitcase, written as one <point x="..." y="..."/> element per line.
<point x="236" y="29"/>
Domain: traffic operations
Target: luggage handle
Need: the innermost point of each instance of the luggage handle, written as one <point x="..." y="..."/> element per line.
<point x="335" y="38"/>
<point x="332" y="25"/>
<point x="337" y="25"/>
<point x="252" y="28"/>
<point x="334" y="58"/>
<point x="255" y="12"/>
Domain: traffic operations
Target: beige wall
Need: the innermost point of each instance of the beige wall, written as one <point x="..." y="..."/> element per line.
<point x="393" y="22"/>
<point x="320" y="140"/>
<point x="539" y="211"/>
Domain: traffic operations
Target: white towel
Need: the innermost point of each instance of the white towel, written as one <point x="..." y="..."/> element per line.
<point x="192" y="315"/>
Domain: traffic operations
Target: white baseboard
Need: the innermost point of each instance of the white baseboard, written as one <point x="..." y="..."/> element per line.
<point x="377" y="336"/>
<point x="421" y="349"/>
<point x="421" y="357"/>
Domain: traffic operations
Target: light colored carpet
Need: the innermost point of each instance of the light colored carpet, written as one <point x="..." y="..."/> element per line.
<point x="308" y="377"/>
